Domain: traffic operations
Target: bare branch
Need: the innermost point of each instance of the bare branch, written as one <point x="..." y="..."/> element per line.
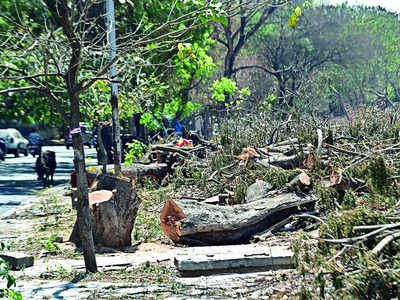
<point x="272" y="72"/>
<point x="19" y="89"/>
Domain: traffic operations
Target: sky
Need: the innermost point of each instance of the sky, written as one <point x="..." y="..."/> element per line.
<point x="392" y="5"/>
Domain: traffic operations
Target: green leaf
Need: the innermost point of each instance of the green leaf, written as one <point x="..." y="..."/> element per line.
<point x="297" y="11"/>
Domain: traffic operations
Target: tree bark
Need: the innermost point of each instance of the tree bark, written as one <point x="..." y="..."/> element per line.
<point x="196" y="223"/>
<point x="136" y="171"/>
<point x="83" y="219"/>
<point x="113" y="211"/>
<point x="114" y="88"/>
<point x="207" y="129"/>
<point x="103" y="152"/>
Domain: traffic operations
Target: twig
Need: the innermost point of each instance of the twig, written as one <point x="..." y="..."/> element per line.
<point x="319" y="147"/>
<point x="211" y="178"/>
<point x="380" y="281"/>
<point x="197" y="149"/>
<point x="192" y="198"/>
<point x="370" y="227"/>
<point x="170" y="149"/>
<point x="343" y="250"/>
<point x="311" y="217"/>
<point x="379" y="247"/>
<point x="346" y="151"/>
<point x="276" y="129"/>
<point x="362" y="237"/>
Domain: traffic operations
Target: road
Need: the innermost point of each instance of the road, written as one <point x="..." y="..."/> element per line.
<point x="18" y="180"/>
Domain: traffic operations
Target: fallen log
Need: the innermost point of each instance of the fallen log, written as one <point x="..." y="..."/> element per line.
<point x="300" y="182"/>
<point x="113" y="211"/>
<point x="194" y="223"/>
<point x="172" y="148"/>
<point x="134" y="171"/>
<point x="258" y="190"/>
<point x="280" y="160"/>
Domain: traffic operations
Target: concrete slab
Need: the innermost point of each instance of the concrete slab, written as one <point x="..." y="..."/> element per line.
<point x="17" y="260"/>
<point x="234" y="259"/>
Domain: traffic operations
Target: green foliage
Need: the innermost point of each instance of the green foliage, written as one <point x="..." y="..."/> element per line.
<point x="294" y="17"/>
<point x="154" y="77"/>
<point x="8" y="291"/>
<point x="50" y="244"/>
<point x="336" y="277"/>
<point x="378" y="174"/>
<point x="136" y="150"/>
<point x="147" y="226"/>
<point x="349" y="200"/>
<point x="221" y="87"/>
<point x="279" y="177"/>
<point x="241" y="186"/>
<point x="328" y="196"/>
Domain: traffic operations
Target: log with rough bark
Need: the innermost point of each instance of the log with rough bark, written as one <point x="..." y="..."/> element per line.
<point x="113" y="211"/>
<point x="280" y="160"/>
<point x="195" y="223"/>
<point x="136" y="171"/>
<point x="258" y="190"/>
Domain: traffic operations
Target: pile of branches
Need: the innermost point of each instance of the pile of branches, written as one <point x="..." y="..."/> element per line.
<point x="356" y="250"/>
<point x="350" y="167"/>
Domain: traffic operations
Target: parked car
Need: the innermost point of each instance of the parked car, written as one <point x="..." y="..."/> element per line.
<point x="15" y="142"/>
<point x="3" y="148"/>
<point x="86" y="133"/>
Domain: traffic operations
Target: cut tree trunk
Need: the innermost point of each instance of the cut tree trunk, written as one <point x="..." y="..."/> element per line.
<point x="283" y="161"/>
<point x="136" y="171"/>
<point x="195" y="223"/>
<point x="113" y="211"/>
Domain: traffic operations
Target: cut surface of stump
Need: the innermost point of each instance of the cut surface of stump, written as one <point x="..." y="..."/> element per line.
<point x="196" y="223"/>
<point x="97" y="197"/>
<point x="113" y="212"/>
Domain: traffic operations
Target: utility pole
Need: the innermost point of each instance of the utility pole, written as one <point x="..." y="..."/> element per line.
<point x="114" y="87"/>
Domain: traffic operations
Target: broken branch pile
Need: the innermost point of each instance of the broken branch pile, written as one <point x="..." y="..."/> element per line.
<point x="349" y="170"/>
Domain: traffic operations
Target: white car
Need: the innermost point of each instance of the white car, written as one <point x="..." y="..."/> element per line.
<point x="15" y="142"/>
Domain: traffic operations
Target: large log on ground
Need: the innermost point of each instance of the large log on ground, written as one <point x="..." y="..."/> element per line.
<point x="281" y="160"/>
<point x="113" y="211"/>
<point x="137" y="170"/>
<point x="195" y="223"/>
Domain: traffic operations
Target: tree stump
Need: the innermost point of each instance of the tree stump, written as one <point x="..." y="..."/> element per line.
<point x="196" y="223"/>
<point x="113" y="211"/>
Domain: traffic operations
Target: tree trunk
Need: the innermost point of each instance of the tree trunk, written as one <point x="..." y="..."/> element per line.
<point x="196" y="223"/>
<point x="83" y="216"/>
<point x="117" y="134"/>
<point x="340" y="102"/>
<point x="114" y="88"/>
<point x="113" y="210"/>
<point x="103" y="152"/>
<point x="83" y="219"/>
<point x="207" y="124"/>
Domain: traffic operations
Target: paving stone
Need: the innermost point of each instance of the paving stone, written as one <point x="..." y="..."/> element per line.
<point x="17" y="260"/>
<point x="235" y="258"/>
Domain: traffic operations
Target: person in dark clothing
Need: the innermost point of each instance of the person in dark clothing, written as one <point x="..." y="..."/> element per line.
<point x="34" y="138"/>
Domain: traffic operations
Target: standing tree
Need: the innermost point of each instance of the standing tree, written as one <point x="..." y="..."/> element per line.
<point x="292" y="57"/>
<point x="241" y="26"/>
<point x="65" y="53"/>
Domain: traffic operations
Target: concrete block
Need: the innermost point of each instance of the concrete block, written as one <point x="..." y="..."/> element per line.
<point x="235" y="258"/>
<point x="17" y="260"/>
